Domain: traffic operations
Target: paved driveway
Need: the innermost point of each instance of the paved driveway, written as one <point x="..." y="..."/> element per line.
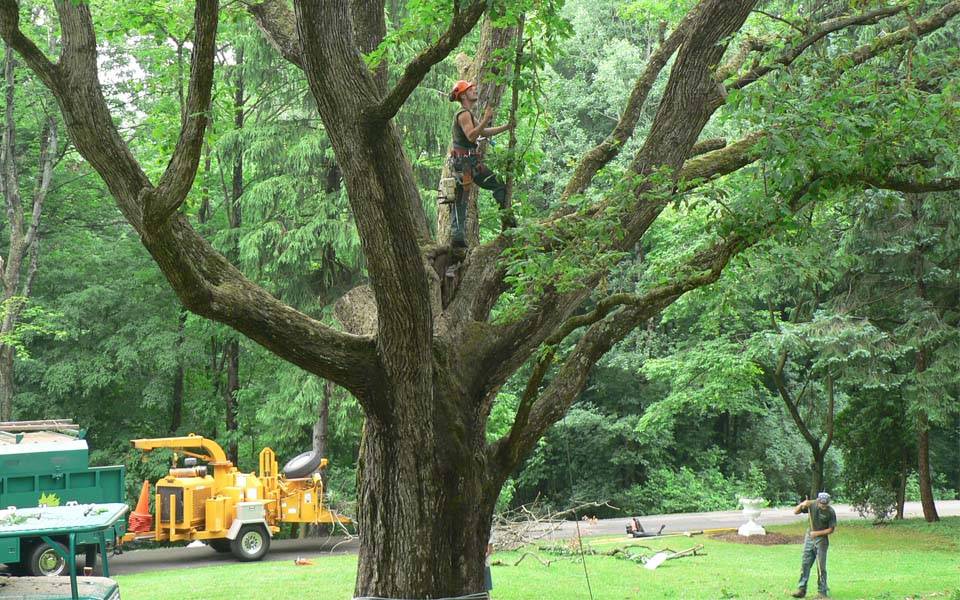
<point x="678" y="523"/>
<point x="136" y="561"/>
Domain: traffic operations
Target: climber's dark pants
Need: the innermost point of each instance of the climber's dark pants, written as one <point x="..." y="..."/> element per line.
<point x="485" y="178"/>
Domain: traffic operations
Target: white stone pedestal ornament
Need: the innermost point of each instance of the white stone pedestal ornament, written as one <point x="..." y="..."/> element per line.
<point x="751" y="510"/>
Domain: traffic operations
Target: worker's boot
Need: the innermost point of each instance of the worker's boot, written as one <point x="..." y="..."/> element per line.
<point x="799" y="593"/>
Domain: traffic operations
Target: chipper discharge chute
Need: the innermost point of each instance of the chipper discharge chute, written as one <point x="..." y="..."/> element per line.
<point x="232" y="511"/>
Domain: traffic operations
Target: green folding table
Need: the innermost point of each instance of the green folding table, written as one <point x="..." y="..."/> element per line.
<point x="47" y="523"/>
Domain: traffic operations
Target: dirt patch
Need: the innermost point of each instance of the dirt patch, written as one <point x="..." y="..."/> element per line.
<point x="771" y="539"/>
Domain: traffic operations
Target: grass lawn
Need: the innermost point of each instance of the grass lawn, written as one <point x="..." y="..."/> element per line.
<point x="911" y="559"/>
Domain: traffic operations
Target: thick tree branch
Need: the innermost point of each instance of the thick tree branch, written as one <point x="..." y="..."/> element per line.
<point x="598" y="156"/>
<point x="607" y="327"/>
<point x="10" y="187"/>
<point x="383" y="198"/>
<point x="203" y="279"/>
<point x="36" y="59"/>
<point x="276" y="21"/>
<point x="536" y="413"/>
<point x="777" y="375"/>
<point x="48" y="153"/>
<point x="822" y="30"/>
<point x="369" y="29"/>
<point x="916" y="29"/>
<point x="9" y="178"/>
<point x="486" y="282"/>
<point x="178" y="178"/>
<point x="900" y="184"/>
<point x="707" y="145"/>
<point x="717" y="163"/>
<point x="733" y="64"/>
<point x="460" y="25"/>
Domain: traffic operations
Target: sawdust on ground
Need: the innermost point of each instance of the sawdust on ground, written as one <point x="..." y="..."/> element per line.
<point x="771" y="539"/>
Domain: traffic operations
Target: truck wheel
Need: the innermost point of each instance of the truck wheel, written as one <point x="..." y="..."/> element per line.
<point x="43" y="560"/>
<point x="221" y="545"/>
<point x="252" y="543"/>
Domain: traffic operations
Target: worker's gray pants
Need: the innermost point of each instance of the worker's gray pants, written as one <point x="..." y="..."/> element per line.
<point x="814" y="549"/>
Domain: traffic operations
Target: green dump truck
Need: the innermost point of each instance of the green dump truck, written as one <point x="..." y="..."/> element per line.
<point x="51" y="458"/>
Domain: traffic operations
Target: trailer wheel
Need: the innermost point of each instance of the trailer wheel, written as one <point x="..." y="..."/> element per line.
<point x="220" y="545"/>
<point x="43" y="560"/>
<point x="252" y="543"/>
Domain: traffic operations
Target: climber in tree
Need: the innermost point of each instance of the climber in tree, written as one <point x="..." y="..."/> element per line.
<point x="466" y="159"/>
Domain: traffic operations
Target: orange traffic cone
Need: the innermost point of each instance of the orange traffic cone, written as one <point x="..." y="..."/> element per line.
<point x="141" y="520"/>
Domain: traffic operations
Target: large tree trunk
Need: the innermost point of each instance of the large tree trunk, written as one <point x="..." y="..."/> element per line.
<point x="425" y="504"/>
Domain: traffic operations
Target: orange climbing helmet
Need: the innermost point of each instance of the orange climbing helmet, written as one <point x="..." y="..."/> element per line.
<point x="459" y="88"/>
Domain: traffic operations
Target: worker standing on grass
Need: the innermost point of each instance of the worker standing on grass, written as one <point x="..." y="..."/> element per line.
<point x="823" y="521"/>
<point x="466" y="159"/>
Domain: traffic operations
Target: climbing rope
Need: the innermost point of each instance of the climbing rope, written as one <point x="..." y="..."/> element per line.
<point x="583" y="559"/>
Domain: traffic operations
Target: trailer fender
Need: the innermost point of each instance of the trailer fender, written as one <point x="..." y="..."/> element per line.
<point x="248" y="512"/>
<point x="237" y="524"/>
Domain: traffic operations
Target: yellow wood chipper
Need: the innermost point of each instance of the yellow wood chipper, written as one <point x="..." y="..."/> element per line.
<point x="229" y="510"/>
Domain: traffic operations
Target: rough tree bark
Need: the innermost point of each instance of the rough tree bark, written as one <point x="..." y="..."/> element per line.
<point x="427" y="375"/>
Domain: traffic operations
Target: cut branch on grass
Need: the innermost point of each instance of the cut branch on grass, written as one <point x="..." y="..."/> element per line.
<point x="545" y="563"/>
<point x="532" y="522"/>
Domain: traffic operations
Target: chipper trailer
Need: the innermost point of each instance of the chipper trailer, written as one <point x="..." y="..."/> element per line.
<point x="229" y="510"/>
